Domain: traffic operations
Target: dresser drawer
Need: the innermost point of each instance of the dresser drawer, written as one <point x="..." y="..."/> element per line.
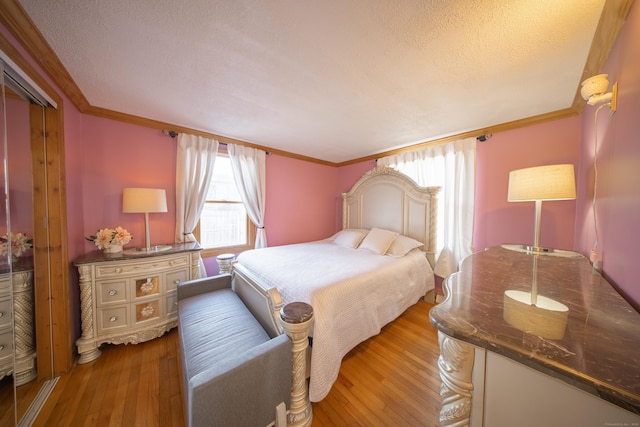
<point x="113" y="318"/>
<point x="6" y="344"/>
<point x="175" y="277"/>
<point x="140" y="268"/>
<point x="147" y="286"/>
<point x="149" y="310"/>
<point x="112" y="292"/>
<point x="5" y="311"/>
<point x="5" y="284"/>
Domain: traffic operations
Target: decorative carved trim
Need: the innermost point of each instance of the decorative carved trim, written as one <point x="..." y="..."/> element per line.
<point x="86" y="301"/>
<point x="456" y="365"/>
<point x="411" y="196"/>
<point x="300" y="413"/>
<point x="23" y="327"/>
<point x="196" y="261"/>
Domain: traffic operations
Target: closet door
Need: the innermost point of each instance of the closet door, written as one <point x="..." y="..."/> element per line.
<point x="7" y="389"/>
<point x="26" y="263"/>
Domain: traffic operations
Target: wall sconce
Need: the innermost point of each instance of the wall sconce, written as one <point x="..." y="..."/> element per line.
<point x="146" y="201"/>
<point x="552" y="182"/>
<point x="594" y="91"/>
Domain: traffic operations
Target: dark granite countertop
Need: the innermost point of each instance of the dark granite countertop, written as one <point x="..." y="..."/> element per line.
<point x="595" y="346"/>
<point x="24" y="263"/>
<point x="133" y="254"/>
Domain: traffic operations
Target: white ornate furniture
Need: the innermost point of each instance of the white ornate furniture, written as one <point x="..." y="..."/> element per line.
<point x="20" y="331"/>
<point x="352" y="302"/>
<point x="388" y="199"/>
<point x="502" y="369"/>
<point x="131" y="298"/>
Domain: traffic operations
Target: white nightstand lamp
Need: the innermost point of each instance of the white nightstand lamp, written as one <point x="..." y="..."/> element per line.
<point x="552" y="182"/>
<point x="146" y="201"/>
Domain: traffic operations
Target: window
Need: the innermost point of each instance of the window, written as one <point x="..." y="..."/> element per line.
<point x="224" y="225"/>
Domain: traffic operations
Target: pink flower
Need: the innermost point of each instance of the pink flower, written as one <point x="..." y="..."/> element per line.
<point x="106" y="237"/>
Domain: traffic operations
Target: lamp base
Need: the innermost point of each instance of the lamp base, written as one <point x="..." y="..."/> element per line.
<point x="156" y="248"/>
<point x="537" y="249"/>
<point x="149" y="250"/>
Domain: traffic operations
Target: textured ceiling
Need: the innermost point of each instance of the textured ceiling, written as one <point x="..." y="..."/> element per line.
<point x="334" y="80"/>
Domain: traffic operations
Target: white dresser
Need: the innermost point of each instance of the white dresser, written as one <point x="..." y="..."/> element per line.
<point x="128" y="298"/>
<point x="17" y="336"/>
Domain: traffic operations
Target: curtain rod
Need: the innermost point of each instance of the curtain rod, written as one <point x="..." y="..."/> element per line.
<point x="173" y="134"/>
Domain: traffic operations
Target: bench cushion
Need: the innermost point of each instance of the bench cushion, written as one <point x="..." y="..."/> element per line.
<point x="216" y="326"/>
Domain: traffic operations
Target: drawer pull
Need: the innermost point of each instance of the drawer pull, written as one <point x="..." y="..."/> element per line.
<point x="113" y="319"/>
<point x="1" y="347"/>
<point x="112" y="292"/>
<point x="147" y="311"/>
<point x="177" y="281"/>
<point x="118" y="270"/>
<point x="1" y="313"/>
<point x="147" y="286"/>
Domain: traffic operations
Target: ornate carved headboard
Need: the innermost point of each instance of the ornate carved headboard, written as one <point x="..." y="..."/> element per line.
<point x="386" y="198"/>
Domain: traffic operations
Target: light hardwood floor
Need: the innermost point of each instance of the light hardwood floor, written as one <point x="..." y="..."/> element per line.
<point x="389" y="380"/>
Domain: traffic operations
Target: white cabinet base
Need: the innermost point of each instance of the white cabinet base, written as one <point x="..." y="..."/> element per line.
<point x="483" y="388"/>
<point x="130" y="300"/>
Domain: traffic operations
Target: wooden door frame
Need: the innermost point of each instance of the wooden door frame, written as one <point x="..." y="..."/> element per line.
<point x="53" y="301"/>
<point x="51" y="271"/>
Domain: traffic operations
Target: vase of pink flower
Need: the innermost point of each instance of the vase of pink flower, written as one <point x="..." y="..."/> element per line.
<point x="111" y="240"/>
<point x="19" y="243"/>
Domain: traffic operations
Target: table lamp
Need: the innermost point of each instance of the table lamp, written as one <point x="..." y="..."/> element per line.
<point x="541" y="183"/>
<point x="146" y="201"/>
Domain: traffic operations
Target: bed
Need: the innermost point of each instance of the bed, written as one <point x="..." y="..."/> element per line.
<point x="361" y="278"/>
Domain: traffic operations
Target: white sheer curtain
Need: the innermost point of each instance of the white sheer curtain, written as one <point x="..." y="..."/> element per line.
<point x="249" y="172"/>
<point x="194" y="167"/>
<point x="451" y="166"/>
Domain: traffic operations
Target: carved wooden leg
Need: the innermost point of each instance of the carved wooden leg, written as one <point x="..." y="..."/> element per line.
<point x="86" y="344"/>
<point x="456" y="366"/>
<point x="296" y="319"/>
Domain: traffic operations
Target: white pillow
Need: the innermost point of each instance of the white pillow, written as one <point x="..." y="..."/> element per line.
<point x="401" y="246"/>
<point x="349" y="238"/>
<point x="378" y="240"/>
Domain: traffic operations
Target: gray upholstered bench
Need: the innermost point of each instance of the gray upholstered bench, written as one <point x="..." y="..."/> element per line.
<point x="236" y="360"/>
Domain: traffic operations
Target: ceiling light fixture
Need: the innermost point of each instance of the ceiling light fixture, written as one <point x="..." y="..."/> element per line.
<point x="594" y="91"/>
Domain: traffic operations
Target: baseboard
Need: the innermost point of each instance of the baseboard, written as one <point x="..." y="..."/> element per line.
<point x="38" y="402"/>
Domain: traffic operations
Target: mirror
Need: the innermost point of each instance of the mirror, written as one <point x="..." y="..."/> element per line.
<point x="21" y="383"/>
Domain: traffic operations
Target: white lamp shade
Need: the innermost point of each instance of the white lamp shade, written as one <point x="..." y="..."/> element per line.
<point x="552" y="182"/>
<point x="144" y="200"/>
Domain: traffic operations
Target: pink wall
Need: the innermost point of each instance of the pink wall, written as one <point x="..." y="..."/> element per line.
<point x="300" y="200"/>
<point x="117" y="155"/>
<point x="498" y="221"/>
<point x="618" y="164"/>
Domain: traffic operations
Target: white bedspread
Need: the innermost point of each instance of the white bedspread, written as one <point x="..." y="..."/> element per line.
<point x="354" y="293"/>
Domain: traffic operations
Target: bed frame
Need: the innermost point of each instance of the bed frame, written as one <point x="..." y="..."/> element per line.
<point x="382" y="198"/>
<point x="386" y="198"/>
